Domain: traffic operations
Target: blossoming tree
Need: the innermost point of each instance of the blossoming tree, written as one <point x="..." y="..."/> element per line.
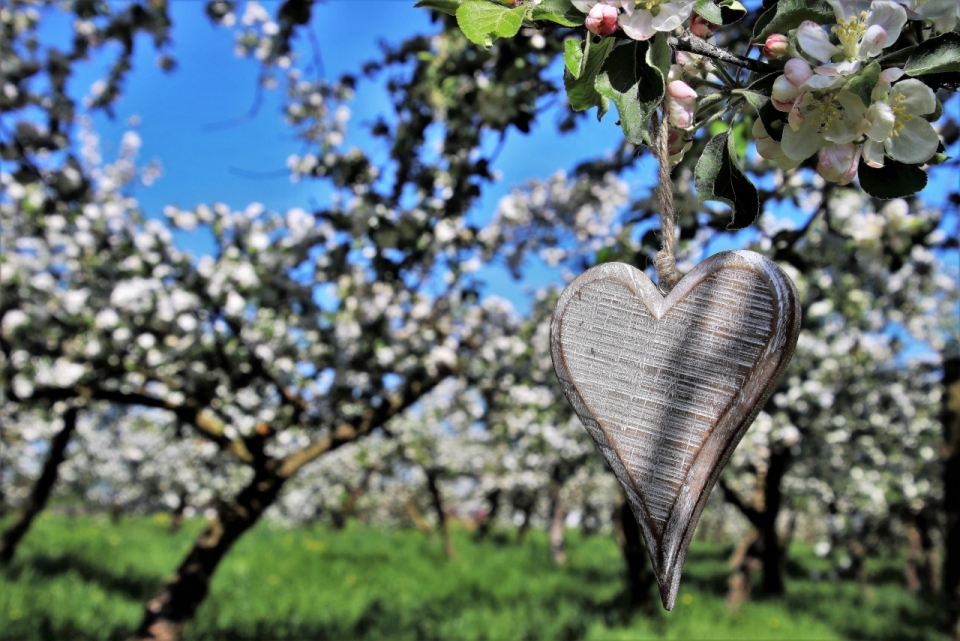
<point x="305" y="332"/>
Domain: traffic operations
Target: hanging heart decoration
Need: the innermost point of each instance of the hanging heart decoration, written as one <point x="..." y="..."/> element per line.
<point x="667" y="386"/>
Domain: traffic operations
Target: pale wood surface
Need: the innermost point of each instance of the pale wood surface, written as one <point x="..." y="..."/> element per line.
<point x="668" y="386"/>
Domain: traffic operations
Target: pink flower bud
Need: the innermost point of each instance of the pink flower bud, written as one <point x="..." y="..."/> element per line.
<point x="681" y="104"/>
<point x="602" y="19"/>
<point x="838" y="163"/>
<point x="689" y="62"/>
<point x="786" y="88"/>
<point x="777" y="46"/>
<point x="700" y="27"/>
<point x="677" y="145"/>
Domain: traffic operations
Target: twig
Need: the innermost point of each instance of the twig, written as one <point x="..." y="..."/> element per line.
<point x="686" y="41"/>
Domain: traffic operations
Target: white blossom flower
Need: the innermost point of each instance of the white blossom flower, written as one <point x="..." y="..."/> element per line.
<point x="838" y="163"/>
<point x="818" y="118"/>
<point x="643" y="19"/>
<point x="896" y="128"/>
<point x="863" y="29"/>
<point x="942" y="13"/>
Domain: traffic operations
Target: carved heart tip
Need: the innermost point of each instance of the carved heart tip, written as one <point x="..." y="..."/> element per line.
<point x="668" y="386"/>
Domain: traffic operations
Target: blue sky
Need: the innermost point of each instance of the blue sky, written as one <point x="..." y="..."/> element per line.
<point x="181" y="117"/>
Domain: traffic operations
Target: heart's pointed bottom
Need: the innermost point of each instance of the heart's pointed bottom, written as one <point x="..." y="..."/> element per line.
<point x="667" y="386"/>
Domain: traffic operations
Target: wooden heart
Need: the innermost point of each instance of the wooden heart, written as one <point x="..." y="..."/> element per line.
<point x="667" y="386"/>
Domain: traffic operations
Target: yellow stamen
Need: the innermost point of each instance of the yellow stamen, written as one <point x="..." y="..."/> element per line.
<point x="849" y="34"/>
<point x="653" y="6"/>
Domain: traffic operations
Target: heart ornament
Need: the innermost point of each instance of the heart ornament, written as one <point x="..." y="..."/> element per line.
<point x="667" y="386"/>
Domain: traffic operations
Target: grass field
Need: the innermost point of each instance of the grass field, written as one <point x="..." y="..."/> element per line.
<point x="85" y="578"/>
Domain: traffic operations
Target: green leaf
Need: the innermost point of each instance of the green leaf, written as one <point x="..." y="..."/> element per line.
<point x="483" y="22"/>
<point x="581" y="91"/>
<point x="573" y="56"/>
<point x="709" y="11"/>
<point x="718" y="177"/>
<point x="773" y="120"/>
<point x="863" y="83"/>
<point x="633" y="76"/>
<point x="448" y="7"/>
<point x="561" y="12"/>
<point x="731" y="11"/>
<point x="936" y="55"/>
<point x="758" y="92"/>
<point x="893" y="180"/>
<point x="790" y="13"/>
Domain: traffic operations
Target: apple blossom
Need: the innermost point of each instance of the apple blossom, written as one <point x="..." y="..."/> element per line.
<point x="788" y="87"/>
<point x="777" y="46"/>
<point x="896" y="126"/>
<point x="838" y="162"/>
<point x="942" y="13"/>
<point x="681" y="103"/>
<point x="862" y="34"/>
<point x="817" y="118"/>
<point x="602" y="19"/>
<point x="700" y="27"/>
<point x="644" y="18"/>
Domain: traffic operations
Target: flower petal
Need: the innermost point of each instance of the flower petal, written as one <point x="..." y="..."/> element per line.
<point x="916" y="142"/>
<point x="918" y="98"/>
<point x="672" y="15"/>
<point x="838" y="163"/>
<point x="803" y="142"/>
<point x="637" y="23"/>
<point x="888" y="15"/>
<point x="874" y="39"/>
<point x="797" y="71"/>
<point x="584" y="5"/>
<point x="881" y="119"/>
<point x="873" y="153"/>
<point x="815" y="41"/>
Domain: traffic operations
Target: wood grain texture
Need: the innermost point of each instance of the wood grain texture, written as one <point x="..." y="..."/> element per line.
<point x="667" y="386"/>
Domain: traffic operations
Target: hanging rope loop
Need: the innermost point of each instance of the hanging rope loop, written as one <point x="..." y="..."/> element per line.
<point x="665" y="261"/>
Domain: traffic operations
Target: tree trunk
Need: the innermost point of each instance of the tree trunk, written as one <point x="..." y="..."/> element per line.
<point x="765" y="546"/>
<point x="414" y="513"/>
<point x="526" y="510"/>
<point x="493" y="503"/>
<point x="747" y="558"/>
<point x="176" y="517"/>
<point x="42" y="488"/>
<point x="950" y="417"/>
<point x="920" y="570"/>
<point x="773" y="552"/>
<point x="557" y="516"/>
<point x="640" y="577"/>
<point x="348" y="507"/>
<point x="177" y="600"/>
<point x="436" y="499"/>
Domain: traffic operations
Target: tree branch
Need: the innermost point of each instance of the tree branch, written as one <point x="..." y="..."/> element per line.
<point x="412" y="391"/>
<point x="688" y="42"/>
<point x="753" y="515"/>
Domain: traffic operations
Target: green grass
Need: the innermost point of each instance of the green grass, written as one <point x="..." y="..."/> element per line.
<point x="85" y="578"/>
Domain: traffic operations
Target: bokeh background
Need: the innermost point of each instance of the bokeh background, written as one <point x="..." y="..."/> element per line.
<point x="275" y="290"/>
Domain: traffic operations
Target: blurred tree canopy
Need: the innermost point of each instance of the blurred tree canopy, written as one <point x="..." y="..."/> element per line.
<point x="341" y="360"/>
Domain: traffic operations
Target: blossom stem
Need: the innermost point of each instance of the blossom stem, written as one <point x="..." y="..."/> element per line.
<point x="686" y="41"/>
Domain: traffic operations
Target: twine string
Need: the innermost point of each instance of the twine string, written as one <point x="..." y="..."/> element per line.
<point x="664" y="261"/>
